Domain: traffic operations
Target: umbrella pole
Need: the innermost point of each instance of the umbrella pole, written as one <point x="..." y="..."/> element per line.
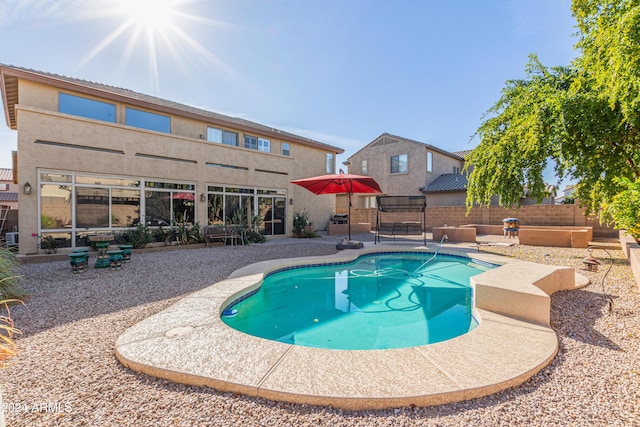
<point x="349" y="217"/>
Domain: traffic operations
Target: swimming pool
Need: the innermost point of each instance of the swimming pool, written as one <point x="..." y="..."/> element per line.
<point x="377" y="301"/>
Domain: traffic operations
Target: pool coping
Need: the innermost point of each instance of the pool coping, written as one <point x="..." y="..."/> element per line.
<point x="188" y="343"/>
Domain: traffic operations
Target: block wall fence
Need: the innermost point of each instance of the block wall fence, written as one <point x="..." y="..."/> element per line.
<point x="438" y="216"/>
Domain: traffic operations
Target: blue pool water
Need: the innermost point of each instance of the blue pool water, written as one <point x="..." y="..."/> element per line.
<point x="392" y="300"/>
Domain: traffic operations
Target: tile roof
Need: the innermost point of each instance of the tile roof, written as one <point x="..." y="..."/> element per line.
<point x="462" y="153"/>
<point x="8" y="197"/>
<point x="447" y="182"/>
<point x="6" y="174"/>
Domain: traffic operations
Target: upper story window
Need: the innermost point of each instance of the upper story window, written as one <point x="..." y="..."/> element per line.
<point x="85" y="107"/>
<point x="255" y="143"/>
<point x="329" y="163"/>
<point x="285" y="149"/>
<point x="399" y="164"/>
<point x="222" y="136"/>
<point x="456" y="169"/>
<point x="147" y="120"/>
<point x="364" y="168"/>
<point x="264" y="145"/>
<point x="429" y="161"/>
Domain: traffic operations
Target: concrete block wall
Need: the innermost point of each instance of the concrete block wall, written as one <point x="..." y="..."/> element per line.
<point x="530" y="215"/>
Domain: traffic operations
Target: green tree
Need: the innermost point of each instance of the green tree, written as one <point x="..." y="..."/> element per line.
<point x="584" y="117"/>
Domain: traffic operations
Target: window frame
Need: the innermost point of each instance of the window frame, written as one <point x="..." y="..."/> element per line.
<point x="80" y="106"/>
<point x="224" y="134"/>
<point x="329" y="163"/>
<point x="150" y="120"/>
<point x="400" y="160"/>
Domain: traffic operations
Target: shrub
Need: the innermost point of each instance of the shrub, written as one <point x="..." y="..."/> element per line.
<point x="624" y="208"/>
<point x="300" y="223"/>
<point x="139" y="237"/>
<point x="10" y="287"/>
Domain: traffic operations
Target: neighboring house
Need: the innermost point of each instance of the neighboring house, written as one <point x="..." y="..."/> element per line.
<point x="101" y="159"/>
<point x="405" y="167"/>
<point x="402" y="166"/>
<point x="8" y="190"/>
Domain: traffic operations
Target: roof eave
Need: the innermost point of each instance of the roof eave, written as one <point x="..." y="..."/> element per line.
<point x="103" y="93"/>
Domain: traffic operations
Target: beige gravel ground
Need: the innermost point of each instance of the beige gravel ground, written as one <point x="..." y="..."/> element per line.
<point x="66" y="373"/>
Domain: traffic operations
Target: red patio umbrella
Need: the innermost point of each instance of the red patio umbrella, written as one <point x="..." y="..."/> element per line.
<point x="340" y="183"/>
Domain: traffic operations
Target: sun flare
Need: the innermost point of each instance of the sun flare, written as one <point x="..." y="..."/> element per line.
<point x="150" y="15"/>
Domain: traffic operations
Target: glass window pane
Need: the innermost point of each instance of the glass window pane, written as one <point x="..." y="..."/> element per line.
<point x="157" y="208"/>
<point x="147" y="120"/>
<point x="429" y="161"/>
<point x="55" y="205"/>
<point x="97" y="180"/>
<point x="215" y="209"/>
<point x="55" y="177"/>
<point x="399" y="163"/>
<point x="230" y="138"/>
<point x="251" y="142"/>
<point x="84" y="107"/>
<point x="125" y="207"/>
<point x="92" y="207"/>
<point x="232" y="204"/>
<point x="363" y="168"/>
<point x="214" y="135"/>
<point x="264" y="145"/>
<point x="285" y="149"/>
<point x="329" y="163"/>
<point x="183" y="207"/>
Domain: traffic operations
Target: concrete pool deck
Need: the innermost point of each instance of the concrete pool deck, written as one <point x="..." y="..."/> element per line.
<point x="188" y="343"/>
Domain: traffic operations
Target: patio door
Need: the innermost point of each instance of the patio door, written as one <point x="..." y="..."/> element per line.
<point x="273" y="210"/>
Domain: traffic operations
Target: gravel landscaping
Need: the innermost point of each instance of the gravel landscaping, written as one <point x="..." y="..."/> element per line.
<point x="66" y="373"/>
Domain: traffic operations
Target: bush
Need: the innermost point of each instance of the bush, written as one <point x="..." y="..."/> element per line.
<point x="139" y="237"/>
<point x="10" y="286"/>
<point x="300" y="223"/>
<point x="624" y="208"/>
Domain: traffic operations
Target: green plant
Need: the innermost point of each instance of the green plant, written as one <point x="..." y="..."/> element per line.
<point x="248" y="228"/>
<point x="624" y="207"/>
<point x="10" y="286"/>
<point x="139" y="237"/>
<point x="49" y="244"/>
<point x="300" y="223"/>
<point x="253" y="236"/>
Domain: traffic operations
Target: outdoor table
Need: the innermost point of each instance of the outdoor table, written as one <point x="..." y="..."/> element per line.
<point x="126" y="252"/>
<point x="78" y="261"/>
<point x="115" y="258"/>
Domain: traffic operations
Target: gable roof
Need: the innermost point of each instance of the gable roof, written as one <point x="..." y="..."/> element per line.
<point x="448" y="182"/>
<point x="389" y="138"/>
<point x="9" y="76"/>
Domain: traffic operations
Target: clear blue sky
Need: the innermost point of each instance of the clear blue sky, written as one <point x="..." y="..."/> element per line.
<point x="338" y="71"/>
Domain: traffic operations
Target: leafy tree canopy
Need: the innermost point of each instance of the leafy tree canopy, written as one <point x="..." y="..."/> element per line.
<point x="584" y="118"/>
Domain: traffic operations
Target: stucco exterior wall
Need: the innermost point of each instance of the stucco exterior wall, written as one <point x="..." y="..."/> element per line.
<point x="97" y="147"/>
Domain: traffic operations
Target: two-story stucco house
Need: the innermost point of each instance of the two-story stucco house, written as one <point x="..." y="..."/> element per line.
<point x="96" y="158"/>
<point x="407" y="167"/>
